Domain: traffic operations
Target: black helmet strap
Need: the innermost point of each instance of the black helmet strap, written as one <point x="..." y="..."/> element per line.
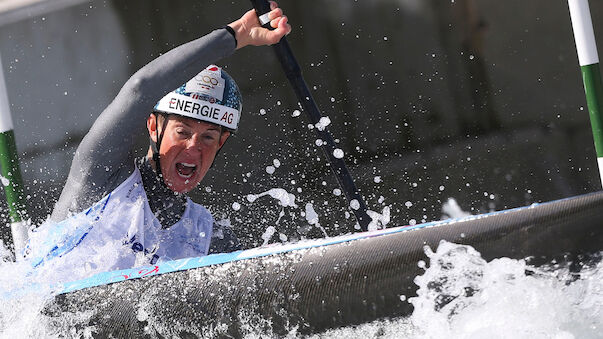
<point x="156" y="146"/>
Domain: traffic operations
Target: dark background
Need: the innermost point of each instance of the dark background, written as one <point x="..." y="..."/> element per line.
<point x="481" y="101"/>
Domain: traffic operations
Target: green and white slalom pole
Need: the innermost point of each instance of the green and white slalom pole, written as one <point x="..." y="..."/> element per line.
<point x="10" y="173"/>
<point x="589" y="64"/>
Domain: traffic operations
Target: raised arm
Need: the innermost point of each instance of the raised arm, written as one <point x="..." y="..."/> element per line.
<point x="104" y="158"/>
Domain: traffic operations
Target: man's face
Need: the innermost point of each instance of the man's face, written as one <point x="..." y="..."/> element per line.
<point x="187" y="150"/>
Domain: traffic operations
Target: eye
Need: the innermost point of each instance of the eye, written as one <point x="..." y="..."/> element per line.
<point x="210" y="137"/>
<point x="183" y="132"/>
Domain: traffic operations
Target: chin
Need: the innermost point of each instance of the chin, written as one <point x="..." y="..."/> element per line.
<point x="184" y="189"/>
<point x="180" y="185"/>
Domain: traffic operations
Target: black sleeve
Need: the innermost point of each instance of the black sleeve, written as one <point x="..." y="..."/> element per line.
<point x="223" y="240"/>
<point x="104" y="158"/>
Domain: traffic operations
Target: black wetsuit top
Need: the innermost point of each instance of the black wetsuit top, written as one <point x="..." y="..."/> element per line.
<point x="104" y="158"/>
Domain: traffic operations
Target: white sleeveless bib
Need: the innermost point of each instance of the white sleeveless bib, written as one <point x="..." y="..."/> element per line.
<point x="119" y="232"/>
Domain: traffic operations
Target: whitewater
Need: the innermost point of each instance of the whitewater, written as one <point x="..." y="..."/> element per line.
<point x="459" y="295"/>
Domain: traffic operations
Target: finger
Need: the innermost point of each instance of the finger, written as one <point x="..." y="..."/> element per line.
<point x="281" y="25"/>
<point x="285" y="24"/>
<point x="275" y="13"/>
<point x="287" y="28"/>
<point x="274" y="36"/>
<point x="274" y="22"/>
<point x="273" y="5"/>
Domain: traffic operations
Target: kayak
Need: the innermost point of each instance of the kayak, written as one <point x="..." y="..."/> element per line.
<point x="312" y="286"/>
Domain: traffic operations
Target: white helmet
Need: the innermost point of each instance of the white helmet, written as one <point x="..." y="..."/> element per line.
<point x="211" y="96"/>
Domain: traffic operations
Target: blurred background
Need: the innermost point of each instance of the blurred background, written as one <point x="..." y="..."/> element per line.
<point x="480" y="101"/>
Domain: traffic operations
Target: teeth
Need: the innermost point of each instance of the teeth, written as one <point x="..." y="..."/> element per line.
<point x="185" y="175"/>
<point x="185" y="166"/>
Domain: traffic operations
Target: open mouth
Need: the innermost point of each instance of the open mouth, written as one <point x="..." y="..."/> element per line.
<point x="185" y="170"/>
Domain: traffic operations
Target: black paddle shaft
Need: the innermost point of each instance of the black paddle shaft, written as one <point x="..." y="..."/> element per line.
<point x="292" y="70"/>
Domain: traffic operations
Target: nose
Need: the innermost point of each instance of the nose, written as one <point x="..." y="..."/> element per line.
<point x="194" y="143"/>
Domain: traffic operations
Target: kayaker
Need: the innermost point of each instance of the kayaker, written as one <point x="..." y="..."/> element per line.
<point x="139" y="205"/>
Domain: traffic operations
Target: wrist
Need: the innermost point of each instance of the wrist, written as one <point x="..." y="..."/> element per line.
<point x="238" y="28"/>
<point x="233" y="33"/>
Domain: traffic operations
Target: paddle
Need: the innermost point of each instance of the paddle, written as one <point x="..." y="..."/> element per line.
<point x="293" y="72"/>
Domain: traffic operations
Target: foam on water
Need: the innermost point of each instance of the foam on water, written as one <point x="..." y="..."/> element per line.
<point x="24" y="296"/>
<point x="26" y="291"/>
<point x="461" y="295"/>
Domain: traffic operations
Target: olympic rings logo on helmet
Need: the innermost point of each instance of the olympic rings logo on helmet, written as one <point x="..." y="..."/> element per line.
<point x="207" y="79"/>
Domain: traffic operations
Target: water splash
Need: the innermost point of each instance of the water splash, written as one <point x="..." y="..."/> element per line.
<point x="379" y="220"/>
<point x="25" y="296"/>
<point x="285" y="198"/>
<point x="451" y="209"/>
<point x="461" y="295"/>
